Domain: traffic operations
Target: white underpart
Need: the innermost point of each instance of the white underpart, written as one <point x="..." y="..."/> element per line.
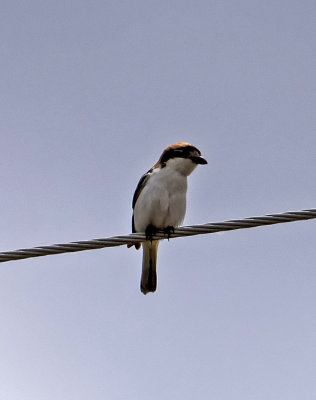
<point x="162" y="202"/>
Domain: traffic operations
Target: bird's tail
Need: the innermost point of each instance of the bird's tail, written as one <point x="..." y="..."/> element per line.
<point x="149" y="271"/>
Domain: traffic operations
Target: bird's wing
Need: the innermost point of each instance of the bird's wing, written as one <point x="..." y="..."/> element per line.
<point x="140" y="186"/>
<point x="138" y="191"/>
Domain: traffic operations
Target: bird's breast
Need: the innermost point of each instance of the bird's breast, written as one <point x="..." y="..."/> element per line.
<point x="162" y="201"/>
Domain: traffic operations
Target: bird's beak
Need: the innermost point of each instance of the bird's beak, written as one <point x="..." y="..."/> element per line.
<point x="199" y="160"/>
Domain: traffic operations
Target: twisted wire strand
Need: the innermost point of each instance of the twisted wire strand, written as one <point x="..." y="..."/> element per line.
<point x="131" y="239"/>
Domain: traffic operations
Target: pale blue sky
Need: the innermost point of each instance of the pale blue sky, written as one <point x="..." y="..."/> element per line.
<point x="91" y="93"/>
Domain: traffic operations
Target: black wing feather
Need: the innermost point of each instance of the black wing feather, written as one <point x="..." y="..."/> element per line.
<point x="140" y="187"/>
<point x="138" y="191"/>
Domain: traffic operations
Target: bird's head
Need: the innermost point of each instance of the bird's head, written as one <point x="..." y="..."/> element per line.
<point x="182" y="157"/>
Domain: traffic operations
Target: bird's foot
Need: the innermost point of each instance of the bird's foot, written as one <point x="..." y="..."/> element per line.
<point x="150" y="232"/>
<point x="168" y="231"/>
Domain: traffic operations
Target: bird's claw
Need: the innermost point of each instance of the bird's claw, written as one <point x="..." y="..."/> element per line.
<point x="168" y="231"/>
<point x="150" y="232"/>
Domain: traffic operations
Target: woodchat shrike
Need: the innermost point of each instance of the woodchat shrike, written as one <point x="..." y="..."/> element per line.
<point x="159" y="203"/>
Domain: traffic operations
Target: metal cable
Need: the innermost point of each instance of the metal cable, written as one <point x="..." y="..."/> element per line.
<point x="140" y="237"/>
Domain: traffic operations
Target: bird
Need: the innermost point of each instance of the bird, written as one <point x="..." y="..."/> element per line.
<point x="159" y="203"/>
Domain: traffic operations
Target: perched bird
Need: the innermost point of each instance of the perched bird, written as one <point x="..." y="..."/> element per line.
<point x="159" y="203"/>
